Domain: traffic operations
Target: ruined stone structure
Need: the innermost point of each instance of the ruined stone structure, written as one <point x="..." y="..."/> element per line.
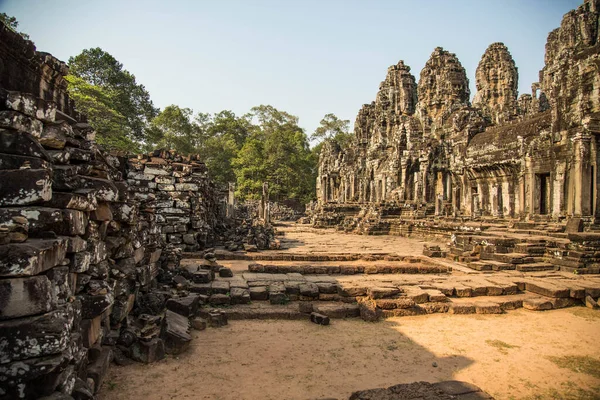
<point x="84" y="237"/>
<point x="425" y="148"/>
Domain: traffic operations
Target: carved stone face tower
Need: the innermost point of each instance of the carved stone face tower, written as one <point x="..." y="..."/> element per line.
<point x="399" y="90"/>
<point x="497" y="80"/>
<point x="443" y="87"/>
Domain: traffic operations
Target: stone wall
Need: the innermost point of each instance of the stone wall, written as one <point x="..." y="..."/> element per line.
<point x="85" y="238"/>
<point x="503" y="156"/>
<point x="177" y="191"/>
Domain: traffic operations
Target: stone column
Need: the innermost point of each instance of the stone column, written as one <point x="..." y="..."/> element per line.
<point x="424" y="168"/>
<point x="582" y="174"/>
<point x="231" y="201"/>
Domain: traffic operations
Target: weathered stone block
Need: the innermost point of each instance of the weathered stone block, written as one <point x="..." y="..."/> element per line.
<point x="239" y="296"/>
<point x="148" y="351"/>
<point x="175" y="333"/>
<point x="21" y="144"/>
<point x="36" y="336"/>
<point x="23" y="187"/>
<point x="383" y="292"/>
<point x="32" y="257"/>
<point x="34" y="377"/>
<point x="319" y="319"/>
<point x="186" y="306"/>
<point x="259" y="293"/>
<point x="21" y="123"/>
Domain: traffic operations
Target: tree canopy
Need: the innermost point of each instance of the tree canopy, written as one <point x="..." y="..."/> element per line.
<point x="95" y="67"/>
<point x="264" y="145"/>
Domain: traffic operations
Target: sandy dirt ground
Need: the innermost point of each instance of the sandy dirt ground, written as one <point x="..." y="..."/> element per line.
<point x="304" y="239"/>
<point x="506" y="355"/>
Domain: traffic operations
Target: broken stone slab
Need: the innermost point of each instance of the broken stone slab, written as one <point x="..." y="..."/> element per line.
<point x="537" y="304"/>
<point x="338" y="310"/>
<point x="21" y="123"/>
<point x="591" y="303"/>
<point x="98" y="366"/>
<point x="13" y="161"/>
<point x="186" y="306"/>
<point x="488" y="307"/>
<point x="225" y="272"/>
<point x="382" y="292"/>
<point x="305" y="307"/>
<point x="23" y="187"/>
<point x="32" y="257"/>
<point x="22" y="144"/>
<point x="94" y="305"/>
<point x="29" y="105"/>
<point x="239" y="296"/>
<point x="22" y="297"/>
<point x="319" y="319"/>
<point x="217" y="318"/>
<point x="55" y="135"/>
<point x="219" y="299"/>
<point x="369" y="311"/>
<point x="221" y="287"/>
<point x="175" y="333"/>
<point x="147" y="351"/>
<point x="36" y="336"/>
<point x="82" y="201"/>
<point x="279" y="297"/>
<point x="198" y="323"/>
<point x="259" y="293"/>
<point x="202" y="276"/>
<point x="309" y="289"/>
<point x="390" y="304"/>
<point x="462" y="308"/>
<point x="33" y="378"/>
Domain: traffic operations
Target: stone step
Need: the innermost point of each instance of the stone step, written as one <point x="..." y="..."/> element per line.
<point x="286" y="256"/>
<point x="402" y="268"/>
<point x="512" y="258"/>
<point x="530" y="248"/>
<point x="291" y="311"/>
<point x="538" y="266"/>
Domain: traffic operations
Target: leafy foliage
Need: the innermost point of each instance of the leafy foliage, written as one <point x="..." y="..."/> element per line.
<point x="98" y="104"/>
<point x="277" y="152"/>
<point x="128" y="98"/>
<point x="12" y="24"/>
<point x="266" y="145"/>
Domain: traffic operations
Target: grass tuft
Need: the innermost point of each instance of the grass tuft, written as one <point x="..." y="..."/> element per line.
<point x="582" y="364"/>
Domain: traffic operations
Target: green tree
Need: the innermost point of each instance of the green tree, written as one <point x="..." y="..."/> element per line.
<point x="173" y="129"/>
<point x="224" y="134"/>
<point x="276" y="152"/>
<point x="130" y="99"/>
<point x="98" y="105"/>
<point x="331" y="127"/>
<point x="12" y="24"/>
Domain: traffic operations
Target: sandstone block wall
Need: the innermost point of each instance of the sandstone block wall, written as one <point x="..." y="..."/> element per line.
<point x="505" y="156"/>
<point x="176" y="190"/>
<point x="84" y="237"/>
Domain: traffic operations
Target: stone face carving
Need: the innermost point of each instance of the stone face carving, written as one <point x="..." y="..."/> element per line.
<point x="505" y="156"/>
<point x="443" y="87"/>
<point x="497" y="81"/>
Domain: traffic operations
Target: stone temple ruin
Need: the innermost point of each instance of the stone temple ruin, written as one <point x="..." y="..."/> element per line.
<point x="107" y="256"/>
<point x="425" y="160"/>
<point x="427" y="149"/>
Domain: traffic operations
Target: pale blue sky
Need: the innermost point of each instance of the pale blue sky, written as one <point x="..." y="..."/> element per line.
<point x="306" y="57"/>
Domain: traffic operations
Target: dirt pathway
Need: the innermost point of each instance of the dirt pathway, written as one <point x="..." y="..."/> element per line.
<point x="506" y="355"/>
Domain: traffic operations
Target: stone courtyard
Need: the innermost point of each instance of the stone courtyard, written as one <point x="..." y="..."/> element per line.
<point x="452" y="252"/>
<point x="488" y="339"/>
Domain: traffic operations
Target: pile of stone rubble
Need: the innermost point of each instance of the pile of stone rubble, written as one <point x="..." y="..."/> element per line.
<point x="90" y="241"/>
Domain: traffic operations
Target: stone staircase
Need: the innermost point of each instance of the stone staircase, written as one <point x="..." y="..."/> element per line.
<point x="292" y="286"/>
